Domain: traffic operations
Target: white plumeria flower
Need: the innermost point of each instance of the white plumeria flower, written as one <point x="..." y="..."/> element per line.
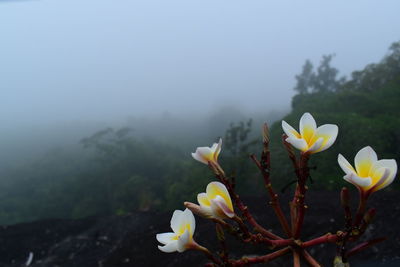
<point x="370" y="173"/>
<point x="215" y="203"/>
<point x="208" y="154"/>
<point x="183" y="224"/>
<point x="310" y="139"/>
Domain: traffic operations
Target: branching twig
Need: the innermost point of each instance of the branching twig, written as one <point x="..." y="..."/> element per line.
<point x="243" y="208"/>
<point x="364" y="245"/>
<point x="261" y="259"/>
<point x="273" y="196"/>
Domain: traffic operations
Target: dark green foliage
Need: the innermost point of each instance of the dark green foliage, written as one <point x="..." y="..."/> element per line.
<point x="366" y="109"/>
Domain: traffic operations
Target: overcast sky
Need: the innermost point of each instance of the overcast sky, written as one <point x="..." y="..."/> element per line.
<point x="63" y="60"/>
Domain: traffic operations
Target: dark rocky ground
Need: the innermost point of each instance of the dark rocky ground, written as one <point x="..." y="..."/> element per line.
<point x="130" y="240"/>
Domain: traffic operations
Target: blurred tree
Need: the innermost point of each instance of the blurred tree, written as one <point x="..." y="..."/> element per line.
<point x="305" y="79"/>
<point x="237" y="148"/>
<point x="325" y="80"/>
<point x="375" y="76"/>
<point x="236" y="136"/>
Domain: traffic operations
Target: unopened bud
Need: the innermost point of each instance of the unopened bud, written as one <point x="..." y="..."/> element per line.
<point x="196" y="209"/>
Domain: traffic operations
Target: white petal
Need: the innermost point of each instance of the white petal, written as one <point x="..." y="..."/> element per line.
<point x="165" y="238"/>
<point x="183" y="241"/>
<point x="218" y="150"/>
<point x="215" y="189"/>
<point x="316" y="146"/>
<point x="345" y="165"/>
<point x="176" y="220"/>
<point x="379" y="179"/>
<point x="364" y="160"/>
<point x="203" y="154"/>
<point x="170" y="247"/>
<point x="220" y="208"/>
<point x="188" y="218"/>
<point x="358" y="181"/>
<point x="214" y="147"/>
<point x="391" y="166"/>
<point x="308" y="126"/>
<point x="329" y="133"/>
<point x="298" y="143"/>
<point x="289" y="130"/>
<point x="197" y="157"/>
<point x="204" y="151"/>
<point x="203" y="200"/>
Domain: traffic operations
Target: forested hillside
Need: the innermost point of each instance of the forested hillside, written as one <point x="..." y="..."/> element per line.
<point x="115" y="171"/>
<point x="365" y="107"/>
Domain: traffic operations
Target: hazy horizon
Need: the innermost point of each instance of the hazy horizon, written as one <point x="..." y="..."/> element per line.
<point x="104" y="61"/>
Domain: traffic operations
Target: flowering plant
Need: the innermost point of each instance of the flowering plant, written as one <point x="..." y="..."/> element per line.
<point x="369" y="175"/>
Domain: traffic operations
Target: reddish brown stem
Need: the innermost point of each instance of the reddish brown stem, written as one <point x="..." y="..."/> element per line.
<point x="368" y="217"/>
<point x="291" y="154"/>
<point x="309" y="259"/>
<point x="242" y="226"/>
<point x="260" y="259"/>
<point x="301" y="193"/>
<point x="209" y="255"/>
<point x="364" y="245"/>
<point x="224" y="254"/>
<point x="345" y="201"/>
<point x="296" y="258"/>
<point x="328" y="238"/>
<point x="273" y="196"/>
<point x="293" y="215"/>
<point x="239" y="204"/>
<point x="361" y="207"/>
<point x="282" y="242"/>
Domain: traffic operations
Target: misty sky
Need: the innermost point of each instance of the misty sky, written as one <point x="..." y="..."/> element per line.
<point x="66" y="60"/>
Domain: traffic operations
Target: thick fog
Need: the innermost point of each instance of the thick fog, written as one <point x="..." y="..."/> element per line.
<point x="95" y="62"/>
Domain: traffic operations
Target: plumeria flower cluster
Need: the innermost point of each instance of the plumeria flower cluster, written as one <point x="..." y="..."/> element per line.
<point x="214" y="203"/>
<point x="368" y="175"/>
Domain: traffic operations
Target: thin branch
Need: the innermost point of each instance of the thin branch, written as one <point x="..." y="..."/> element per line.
<point x="309" y="259"/>
<point x="240" y="205"/>
<point x="261" y="259"/>
<point x="274" y="197"/>
<point x="304" y="173"/>
<point x="327" y="238"/>
<point x="364" y="245"/>
<point x="361" y="207"/>
<point x="345" y="201"/>
<point x="296" y="258"/>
